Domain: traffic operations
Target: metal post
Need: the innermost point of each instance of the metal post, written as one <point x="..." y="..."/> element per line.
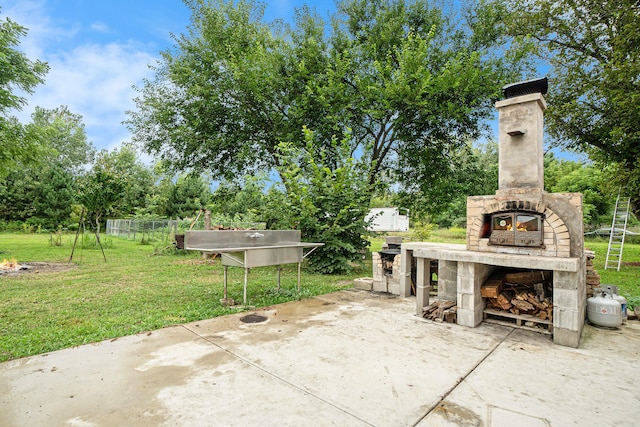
<point x="279" y="270"/>
<point x="299" y="264"/>
<point x="225" y="282"/>
<point x="244" y="295"/>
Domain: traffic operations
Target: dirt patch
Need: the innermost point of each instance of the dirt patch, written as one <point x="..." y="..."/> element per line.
<point x="631" y="264"/>
<point x="195" y="261"/>
<point x="37" y="268"/>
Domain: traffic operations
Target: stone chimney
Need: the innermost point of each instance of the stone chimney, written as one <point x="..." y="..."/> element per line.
<point x="520" y="137"/>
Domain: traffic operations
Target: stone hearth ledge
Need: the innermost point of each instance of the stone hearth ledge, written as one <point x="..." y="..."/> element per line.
<point x="452" y="252"/>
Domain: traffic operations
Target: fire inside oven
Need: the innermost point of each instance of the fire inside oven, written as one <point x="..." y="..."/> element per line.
<point x="516" y="229"/>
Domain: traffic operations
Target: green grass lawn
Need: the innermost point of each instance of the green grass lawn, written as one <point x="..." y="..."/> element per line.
<point x="133" y="291"/>
<point x="137" y="291"/>
<point x="628" y="278"/>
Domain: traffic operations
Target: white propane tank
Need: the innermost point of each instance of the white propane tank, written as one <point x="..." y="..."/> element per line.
<point x="603" y="310"/>
<point x="622" y="300"/>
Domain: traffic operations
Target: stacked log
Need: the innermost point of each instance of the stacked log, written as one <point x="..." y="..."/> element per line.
<point x="593" y="278"/>
<point x="441" y="311"/>
<point x="525" y="292"/>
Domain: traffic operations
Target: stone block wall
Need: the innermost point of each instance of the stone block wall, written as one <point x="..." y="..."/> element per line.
<point x="383" y="282"/>
<point x="447" y="280"/>
<point x="471" y="276"/>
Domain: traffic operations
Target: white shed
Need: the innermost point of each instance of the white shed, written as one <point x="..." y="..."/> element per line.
<point x="388" y="219"/>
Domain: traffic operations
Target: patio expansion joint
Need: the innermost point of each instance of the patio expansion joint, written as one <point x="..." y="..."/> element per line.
<point x="277" y="377"/>
<point x="464" y="377"/>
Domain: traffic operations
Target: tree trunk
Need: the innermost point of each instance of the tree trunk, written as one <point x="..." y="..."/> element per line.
<point x="98" y="224"/>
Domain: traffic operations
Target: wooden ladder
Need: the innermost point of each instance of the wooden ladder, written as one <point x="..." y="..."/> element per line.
<point x="617" y="233"/>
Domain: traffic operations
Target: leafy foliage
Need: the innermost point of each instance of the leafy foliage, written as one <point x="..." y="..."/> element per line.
<point x="16" y="70"/>
<point x="187" y="196"/>
<point x="327" y="202"/>
<point x="44" y="191"/>
<point x="566" y="176"/>
<point x="16" y="194"/>
<point x="217" y="100"/>
<point x="63" y="135"/>
<point x="21" y="146"/>
<point x="243" y="198"/>
<point x="53" y="198"/>
<point x="472" y="170"/>
<point x="18" y="75"/>
<point x="408" y="86"/>
<point x="99" y="191"/>
<point x="124" y="162"/>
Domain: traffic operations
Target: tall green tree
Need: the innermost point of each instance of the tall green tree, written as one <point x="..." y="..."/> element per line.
<point x="18" y="76"/>
<point x="188" y="195"/>
<point x="53" y="197"/>
<point x="472" y="170"/>
<point x="43" y="194"/>
<point x="243" y="198"/>
<point x="157" y="200"/>
<point x="407" y="84"/>
<point x="568" y="176"/>
<point x="99" y="192"/>
<point x="17" y="191"/>
<point x="593" y="50"/>
<point x="140" y="180"/>
<point x="63" y="133"/>
<point x="215" y="103"/>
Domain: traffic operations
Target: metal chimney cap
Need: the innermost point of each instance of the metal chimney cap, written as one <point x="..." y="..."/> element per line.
<point x="526" y="87"/>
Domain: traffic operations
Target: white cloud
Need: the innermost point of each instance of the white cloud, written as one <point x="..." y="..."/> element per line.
<point x="93" y="80"/>
<point x="100" y="27"/>
<point x="96" y="82"/>
<point x="41" y="32"/>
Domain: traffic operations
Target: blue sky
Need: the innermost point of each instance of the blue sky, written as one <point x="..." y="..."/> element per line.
<point x="99" y="49"/>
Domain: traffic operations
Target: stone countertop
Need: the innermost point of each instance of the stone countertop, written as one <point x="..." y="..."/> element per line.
<point x="458" y="252"/>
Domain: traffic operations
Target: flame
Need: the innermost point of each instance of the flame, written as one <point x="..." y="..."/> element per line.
<point x="9" y="264"/>
<point x="519" y="226"/>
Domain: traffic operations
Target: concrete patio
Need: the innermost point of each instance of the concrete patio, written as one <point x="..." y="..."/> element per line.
<point x="351" y="358"/>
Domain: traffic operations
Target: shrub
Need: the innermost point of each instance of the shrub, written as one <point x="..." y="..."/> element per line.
<point x="327" y="199"/>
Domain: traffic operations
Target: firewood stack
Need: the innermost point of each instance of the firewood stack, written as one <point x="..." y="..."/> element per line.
<point x="441" y="311"/>
<point x="526" y="292"/>
<point x="593" y="278"/>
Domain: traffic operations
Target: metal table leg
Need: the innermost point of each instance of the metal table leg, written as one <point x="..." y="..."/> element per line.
<point x="246" y="277"/>
<point x="225" y="282"/>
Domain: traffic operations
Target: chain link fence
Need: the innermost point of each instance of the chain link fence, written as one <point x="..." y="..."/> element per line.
<point x="166" y="229"/>
<point x="133" y="229"/>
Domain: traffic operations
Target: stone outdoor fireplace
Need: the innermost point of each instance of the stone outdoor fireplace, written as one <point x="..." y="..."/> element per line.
<point x="519" y="227"/>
